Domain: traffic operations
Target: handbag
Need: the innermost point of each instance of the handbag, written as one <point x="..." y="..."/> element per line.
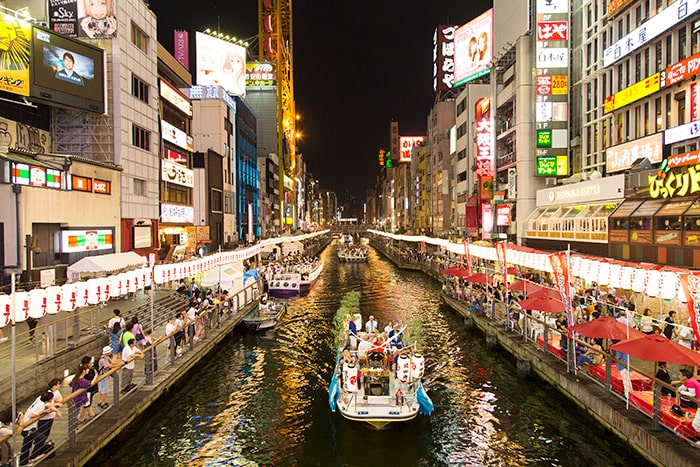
<point x="676" y="410"/>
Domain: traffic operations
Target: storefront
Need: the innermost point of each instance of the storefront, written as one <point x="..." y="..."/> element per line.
<point x="575" y="216"/>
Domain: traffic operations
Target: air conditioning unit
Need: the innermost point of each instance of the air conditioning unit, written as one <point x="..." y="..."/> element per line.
<point x="549" y="182"/>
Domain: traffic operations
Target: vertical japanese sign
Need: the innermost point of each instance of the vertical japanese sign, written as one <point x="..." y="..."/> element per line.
<point x="551" y="84"/>
<point x="181" y="44"/>
<point x="444" y="58"/>
<point x="485" y="163"/>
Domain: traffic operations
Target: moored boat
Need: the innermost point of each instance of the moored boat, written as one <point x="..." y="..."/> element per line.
<point x="285" y="283"/>
<point x="380" y="386"/>
<point x="265" y="316"/>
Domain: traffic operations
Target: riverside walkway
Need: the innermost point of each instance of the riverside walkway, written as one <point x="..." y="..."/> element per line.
<point x="657" y="444"/>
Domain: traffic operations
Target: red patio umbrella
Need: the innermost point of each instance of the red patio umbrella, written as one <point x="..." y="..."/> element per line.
<point x="656" y="348"/>
<point x="545" y="292"/>
<point x="606" y="327"/>
<point x="455" y="271"/>
<point x="479" y="278"/>
<point x="544" y="304"/>
<point x="524" y="286"/>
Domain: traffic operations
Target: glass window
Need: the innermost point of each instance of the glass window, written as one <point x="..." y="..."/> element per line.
<point x="139" y="38"/>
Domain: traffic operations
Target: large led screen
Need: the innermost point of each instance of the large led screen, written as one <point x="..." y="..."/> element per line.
<point x="66" y="71"/>
<point x="221" y="63"/>
<point x="474" y="48"/>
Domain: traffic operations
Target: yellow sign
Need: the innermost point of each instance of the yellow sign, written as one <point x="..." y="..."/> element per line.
<point x="684" y="182"/>
<point x="633" y="93"/>
<point x="15" y="54"/>
<point x="560" y="84"/>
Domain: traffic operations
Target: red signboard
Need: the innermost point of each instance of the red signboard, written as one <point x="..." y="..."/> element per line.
<point x="544" y="85"/>
<point x="685" y="158"/>
<point x="103" y="187"/>
<point x="175" y="157"/>
<point x="694" y="101"/>
<point x="484" y="159"/>
<point x="552" y="30"/>
<point x="683" y="70"/>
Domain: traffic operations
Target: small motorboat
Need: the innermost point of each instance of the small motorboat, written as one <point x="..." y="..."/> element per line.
<point x="265" y="316"/>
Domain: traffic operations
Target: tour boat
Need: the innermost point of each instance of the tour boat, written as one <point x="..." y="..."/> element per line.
<point x="353" y="254"/>
<point x="309" y="274"/>
<point x="285" y="283"/>
<point x="372" y="389"/>
<point x="265" y="316"/>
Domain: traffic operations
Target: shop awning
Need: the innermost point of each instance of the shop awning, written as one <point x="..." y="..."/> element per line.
<point x="626" y="208"/>
<point x="675" y="207"/>
<point x="29" y="160"/>
<point x="648" y="208"/>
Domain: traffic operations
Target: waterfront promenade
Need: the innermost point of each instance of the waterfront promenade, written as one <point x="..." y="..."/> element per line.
<point x="656" y="443"/>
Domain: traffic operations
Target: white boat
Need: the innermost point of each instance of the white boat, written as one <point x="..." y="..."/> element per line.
<point x="353" y="254"/>
<point x="309" y="274"/>
<point x="285" y="283"/>
<point x="372" y="389"/>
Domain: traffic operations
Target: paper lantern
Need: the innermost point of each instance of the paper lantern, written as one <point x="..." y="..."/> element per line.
<point x="5" y="310"/>
<point x="103" y="289"/>
<point x="680" y="291"/>
<point x="93" y="291"/>
<point x="653" y="283"/>
<point x="592" y="274"/>
<point x="54" y="295"/>
<point x="81" y="294"/>
<point x="131" y="282"/>
<point x="37" y="303"/>
<point x="603" y="273"/>
<point x="68" y="297"/>
<point x="638" y="280"/>
<point x="159" y="274"/>
<point x="626" y="277"/>
<point x="667" y="286"/>
<point x="585" y="268"/>
<point x="22" y="306"/>
<point x="575" y="266"/>
<point x="148" y="281"/>
<point x="615" y="275"/>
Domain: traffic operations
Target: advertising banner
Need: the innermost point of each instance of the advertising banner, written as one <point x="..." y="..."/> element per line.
<point x="16" y="54"/>
<point x="690" y="282"/>
<point x="560" y="271"/>
<point x="260" y="74"/>
<point x="181" y="44"/>
<point x="473" y="48"/>
<point x="407" y="144"/>
<point x="682" y="70"/>
<point x="74" y="18"/>
<point x="620" y="157"/>
<point x="637" y="91"/>
<point x="221" y="63"/>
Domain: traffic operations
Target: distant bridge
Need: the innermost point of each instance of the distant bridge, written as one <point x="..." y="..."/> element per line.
<point x="347" y="228"/>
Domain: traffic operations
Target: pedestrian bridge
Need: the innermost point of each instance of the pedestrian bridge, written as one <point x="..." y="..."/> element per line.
<point x="347" y="228"/>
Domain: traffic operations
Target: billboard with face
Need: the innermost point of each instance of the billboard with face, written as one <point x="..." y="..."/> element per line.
<point x="66" y="71"/>
<point x="474" y="48"/>
<point x="94" y="19"/>
<point x="221" y="63"/>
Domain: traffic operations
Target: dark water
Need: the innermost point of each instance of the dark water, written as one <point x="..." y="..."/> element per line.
<point x="262" y="399"/>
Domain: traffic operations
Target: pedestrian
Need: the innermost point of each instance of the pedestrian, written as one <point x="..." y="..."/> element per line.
<point x="91" y="375"/>
<point x="137" y="331"/>
<point x="170" y="331"/>
<point x="127" y="335"/>
<point x="46" y="422"/>
<point x="151" y="352"/>
<point x="129" y="354"/>
<point x="115" y="333"/>
<point x="32" y="322"/>
<point x="104" y="364"/>
<point x="82" y="401"/>
<point x="191" y="320"/>
<point x="117" y="318"/>
<point x="6" y="452"/>
<point x="179" y="332"/>
<point x="33" y="442"/>
<point x="670" y="324"/>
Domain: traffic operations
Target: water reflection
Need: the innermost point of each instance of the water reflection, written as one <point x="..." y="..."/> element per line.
<point x="262" y="399"/>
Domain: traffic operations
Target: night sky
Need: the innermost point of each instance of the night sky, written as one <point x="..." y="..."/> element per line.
<point x="357" y="66"/>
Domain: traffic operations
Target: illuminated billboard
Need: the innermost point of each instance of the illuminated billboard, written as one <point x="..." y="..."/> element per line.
<point x="67" y="71"/>
<point x="444" y="58"/>
<point x="622" y="156"/>
<point x="637" y="91"/>
<point x="474" y="48"/>
<point x="261" y="74"/>
<point x="221" y="63"/>
<point x="83" y="18"/>
<point x="407" y="144"/>
<point x="15" y="55"/>
<point x="655" y="26"/>
<point x="74" y="241"/>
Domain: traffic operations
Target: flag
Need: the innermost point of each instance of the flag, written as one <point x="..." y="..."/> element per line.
<point x="560" y="269"/>
<point x="690" y="281"/>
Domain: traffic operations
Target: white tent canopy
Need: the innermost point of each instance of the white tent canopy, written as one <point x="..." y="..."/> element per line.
<point x="229" y="276"/>
<point x="104" y="264"/>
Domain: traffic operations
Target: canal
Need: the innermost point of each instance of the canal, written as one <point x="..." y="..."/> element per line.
<point x="262" y="399"/>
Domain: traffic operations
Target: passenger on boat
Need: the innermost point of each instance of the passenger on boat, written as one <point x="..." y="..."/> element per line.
<point x="352" y="333"/>
<point x="347" y="357"/>
<point x="389" y="326"/>
<point x="371" y="325"/>
<point x="378" y="343"/>
<point x="395" y="337"/>
<point x="365" y="345"/>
